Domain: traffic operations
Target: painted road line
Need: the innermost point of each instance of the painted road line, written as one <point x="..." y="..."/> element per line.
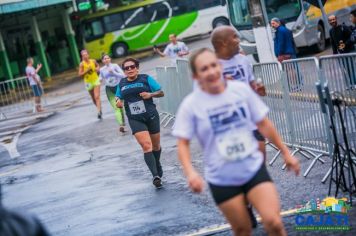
<point x="10" y="172"/>
<point x="226" y="227"/>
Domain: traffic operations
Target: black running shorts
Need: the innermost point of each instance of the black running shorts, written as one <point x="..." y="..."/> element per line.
<point x="224" y="193"/>
<point x="258" y="136"/>
<point x="150" y="124"/>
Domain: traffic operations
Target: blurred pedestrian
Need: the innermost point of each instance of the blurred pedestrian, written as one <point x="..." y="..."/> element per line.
<point x="353" y="28"/>
<point x="284" y="47"/>
<point x="88" y="69"/>
<point x="176" y="49"/>
<point x="111" y="75"/>
<point x="136" y="92"/>
<point x="13" y="223"/>
<point x="222" y="115"/>
<point x="237" y="67"/>
<point x="340" y="36"/>
<point x="35" y="82"/>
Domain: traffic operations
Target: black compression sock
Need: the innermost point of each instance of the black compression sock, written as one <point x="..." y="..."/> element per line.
<point x="157" y="155"/>
<point x="151" y="163"/>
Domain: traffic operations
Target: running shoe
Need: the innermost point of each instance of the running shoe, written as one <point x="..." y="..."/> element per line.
<point x="252" y="217"/>
<point x="100" y="115"/>
<point x="122" y="129"/>
<point x="157" y="182"/>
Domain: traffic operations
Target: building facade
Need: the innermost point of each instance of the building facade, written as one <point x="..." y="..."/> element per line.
<point x="41" y="29"/>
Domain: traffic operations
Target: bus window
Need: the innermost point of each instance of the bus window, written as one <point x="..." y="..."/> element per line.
<point x="135" y="17"/>
<point x="113" y="22"/>
<point x="207" y="4"/>
<point x="287" y="10"/>
<point x="240" y="15"/>
<point x="157" y="11"/>
<point x="183" y="6"/>
<point x="93" y="30"/>
<point x="283" y="9"/>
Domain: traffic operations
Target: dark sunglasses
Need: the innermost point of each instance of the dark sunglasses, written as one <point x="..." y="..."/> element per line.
<point x="130" y="67"/>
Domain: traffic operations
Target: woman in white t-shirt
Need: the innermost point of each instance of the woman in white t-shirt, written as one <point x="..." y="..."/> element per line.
<point x="222" y="114"/>
<point x="111" y="75"/>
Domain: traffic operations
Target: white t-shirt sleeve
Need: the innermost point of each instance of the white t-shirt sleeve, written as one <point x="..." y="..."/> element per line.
<point x="118" y="71"/>
<point x="185" y="47"/>
<point x="251" y="77"/>
<point x="30" y="71"/>
<point x="257" y="107"/>
<point x="184" y="126"/>
<point x="101" y="74"/>
<point x="167" y="50"/>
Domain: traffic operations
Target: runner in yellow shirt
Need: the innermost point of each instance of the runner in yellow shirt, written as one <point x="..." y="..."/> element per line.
<point x="88" y="69"/>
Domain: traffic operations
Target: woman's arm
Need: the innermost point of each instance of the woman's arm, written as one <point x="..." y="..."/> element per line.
<point x="268" y="130"/>
<point x="119" y="103"/>
<point x="81" y="70"/>
<point x="195" y="181"/>
<point x="157" y="50"/>
<point x="157" y="94"/>
<point x="146" y="95"/>
<point x="97" y="66"/>
<point x="39" y="66"/>
<point x="118" y="72"/>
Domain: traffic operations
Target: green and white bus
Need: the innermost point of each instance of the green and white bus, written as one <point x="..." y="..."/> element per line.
<point x="147" y="23"/>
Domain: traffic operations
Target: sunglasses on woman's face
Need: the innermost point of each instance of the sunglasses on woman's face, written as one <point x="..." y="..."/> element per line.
<point x="127" y="68"/>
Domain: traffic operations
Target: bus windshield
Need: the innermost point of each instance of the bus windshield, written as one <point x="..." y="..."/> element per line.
<point x="288" y="10"/>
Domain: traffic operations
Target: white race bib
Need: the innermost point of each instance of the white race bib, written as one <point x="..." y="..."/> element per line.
<point x="137" y="108"/>
<point x="111" y="80"/>
<point x="236" y="144"/>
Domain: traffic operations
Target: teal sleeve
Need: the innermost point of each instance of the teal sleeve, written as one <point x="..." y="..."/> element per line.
<point x="118" y="92"/>
<point x="154" y="85"/>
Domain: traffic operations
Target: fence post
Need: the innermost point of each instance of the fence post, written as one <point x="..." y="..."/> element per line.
<point x="287" y="102"/>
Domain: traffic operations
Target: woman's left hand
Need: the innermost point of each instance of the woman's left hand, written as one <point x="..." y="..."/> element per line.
<point x="146" y="95"/>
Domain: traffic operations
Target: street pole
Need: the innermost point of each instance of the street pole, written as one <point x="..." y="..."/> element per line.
<point x="262" y="31"/>
<point x="325" y="17"/>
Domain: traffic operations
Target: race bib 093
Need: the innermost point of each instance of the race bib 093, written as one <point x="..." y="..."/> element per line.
<point x="236" y="144"/>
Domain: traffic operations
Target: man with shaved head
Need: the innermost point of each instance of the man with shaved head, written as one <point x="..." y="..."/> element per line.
<point x="340" y="37"/>
<point x="236" y="66"/>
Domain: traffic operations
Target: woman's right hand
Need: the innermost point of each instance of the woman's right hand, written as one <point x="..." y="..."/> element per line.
<point x="119" y="104"/>
<point x="196" y="182"/>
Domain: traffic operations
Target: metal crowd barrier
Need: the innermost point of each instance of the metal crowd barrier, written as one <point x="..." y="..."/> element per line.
<point x="294" y="107"/>
<point x="311" y="133"/>
<point x="339" y="72"/>
<point x="176" y="82"/>
<point x="15" y="96"/>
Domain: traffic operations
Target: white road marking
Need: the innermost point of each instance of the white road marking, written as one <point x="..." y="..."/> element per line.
<point x="9" y="141"/>
<point x="225" y="227"/>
